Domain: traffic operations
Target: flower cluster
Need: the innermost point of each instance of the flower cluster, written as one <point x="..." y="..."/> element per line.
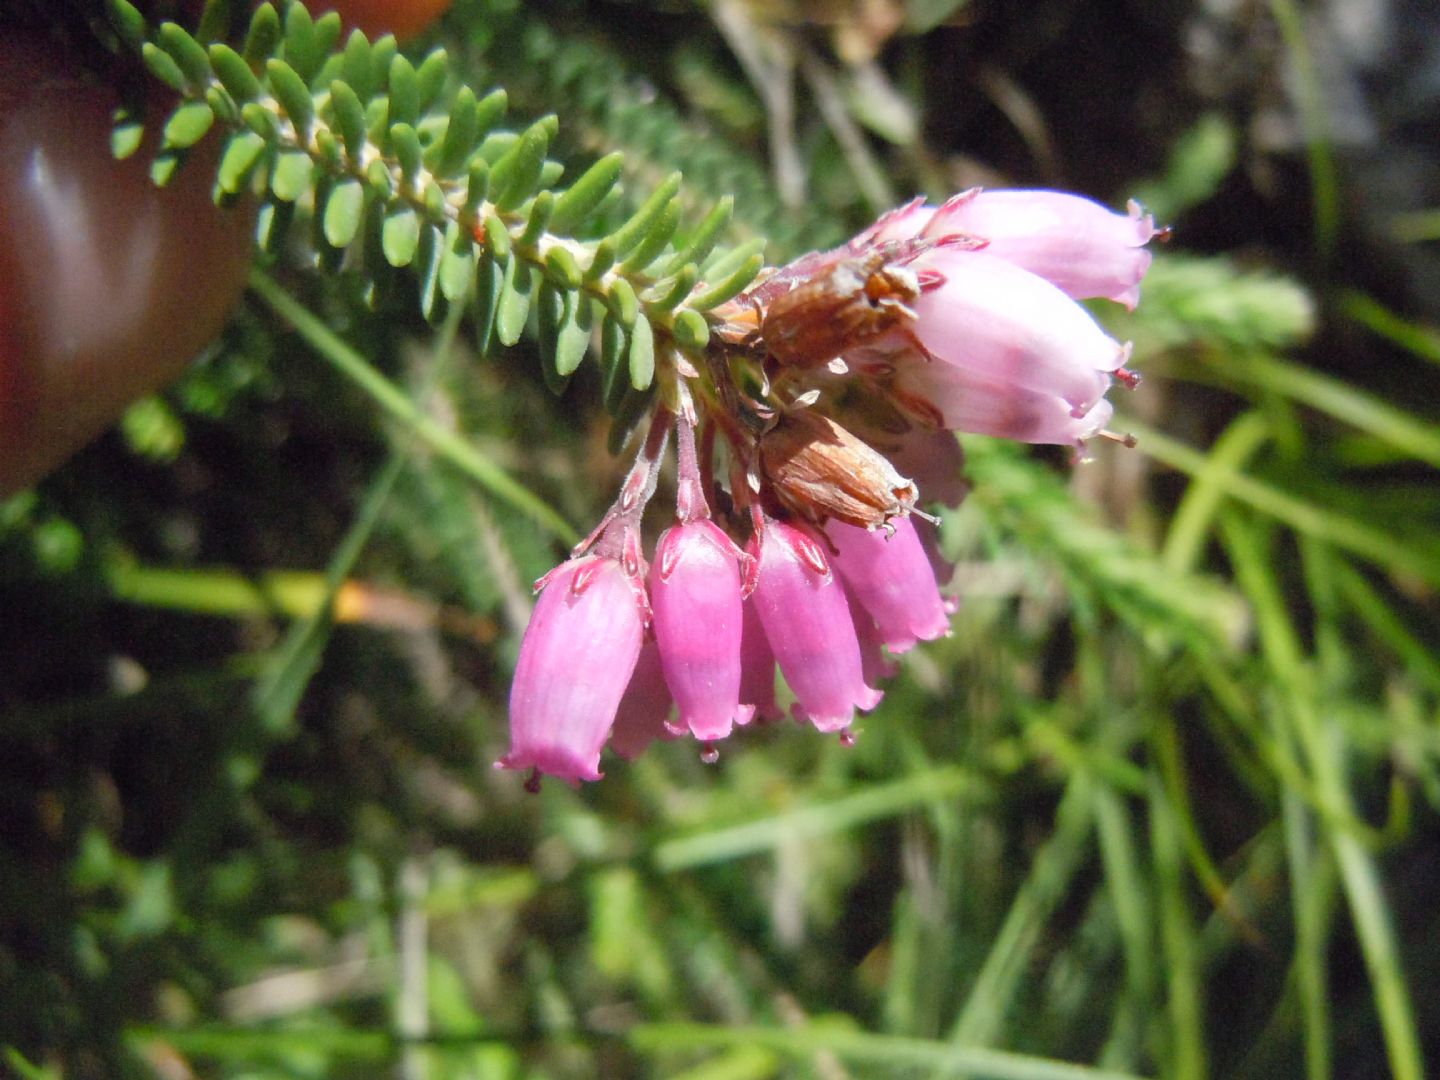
<point x="829" y="381"/>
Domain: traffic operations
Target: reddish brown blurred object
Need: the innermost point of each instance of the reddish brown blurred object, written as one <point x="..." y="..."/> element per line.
<point x="109" y="286"/>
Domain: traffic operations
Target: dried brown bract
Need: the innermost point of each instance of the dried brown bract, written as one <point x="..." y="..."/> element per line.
<point x="820" y="471"/>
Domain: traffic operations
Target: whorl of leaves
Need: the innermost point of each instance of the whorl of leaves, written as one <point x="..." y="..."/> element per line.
<point x="394" y="164"/>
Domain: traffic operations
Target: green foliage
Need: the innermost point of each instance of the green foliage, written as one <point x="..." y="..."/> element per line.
<point x="361" y="135"/>
<point x="1179" y="753"/>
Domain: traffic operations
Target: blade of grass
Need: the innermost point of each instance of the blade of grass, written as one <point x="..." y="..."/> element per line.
<point x="1323" y="741"/>
<point x="879" y="1054"/>
<point x="1051" y="872"/>
<point x="1130" y="896"/>
<point x="1184" y="992"/>
<point x="1318" y="522"/>
<point x="1386" y="623"/>
<point x="1341" y="400"/>
<point x="444" y="442"/>
<point x="1195" y="516"/>
<point x="1380" y="320"/>
<point x="1315" y="120"/>
<point x="836" y="815"/>
<point x="277" y="693"/>
<point x="1312" y="934"/>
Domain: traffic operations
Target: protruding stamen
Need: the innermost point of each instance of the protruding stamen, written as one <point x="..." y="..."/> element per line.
<point x="532" y="782"/>
<point x="1125" y="439"/>
<point x="710" y="754"/>
<point x="1128" y="379"/>
<point x="847" y="738"/>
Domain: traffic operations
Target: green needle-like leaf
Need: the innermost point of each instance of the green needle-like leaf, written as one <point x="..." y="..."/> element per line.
<point x="344" y="211"/>
<point x="234" y="73"/>
<point x="291" y="177"/>
<point x="349" y="119"/>
<point x="430" y="78"/>
<point x="514" y="303"/>
<point x="405" y="143"/>
<point x="355" y="65"/>
<point x="188" y="124"/>
<point x="400" y="236"/>
<point x="162" y="65"/>
<point x="634" y="231"/>
<point x="702" y="241"/>
<point x="451" y="154"/>
<point x="237" y="165"/>
<point x="691" y="330"/>
<point x="457" y="264"/>
<point x="727" y="287"/>
<point x="577" y="203"/>
<point x="293" y="95"/>
<point x="263" y="36"/>
<point x="404" y="92"/>
<point x="128" y="22"/>
<point x="514" y="176"/>
<point x="186" y="52"/>
<point x="642" y="354"/>
<point x="654" y="240"/>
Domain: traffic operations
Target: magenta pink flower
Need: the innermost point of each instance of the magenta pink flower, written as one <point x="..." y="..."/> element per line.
<point x="807" y="623"/>
<point x="757" y="666"/>
<point x="890" y="576"/>
<point x="644" y="712"/>
<point x="1072" y="242"/>
<point x="875" y="666"/>
<point x="695" y="594"/>
<point x="576" y="660"/>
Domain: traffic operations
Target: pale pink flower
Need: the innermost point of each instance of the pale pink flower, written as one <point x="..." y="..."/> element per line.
<point x="695" y="594"/>
<point x="934" y="461"/>
<point x="807" y="622"/>
<point x="996" y="350"/>
<point x="645" y="709"/>
<point x="943" y="568"/>
<point x="576" y="660"/>
<point x="890" y="576"/>
<point x="1075" y="243"/>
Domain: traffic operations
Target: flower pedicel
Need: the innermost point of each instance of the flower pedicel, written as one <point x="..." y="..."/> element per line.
<point x="819" y="380"/>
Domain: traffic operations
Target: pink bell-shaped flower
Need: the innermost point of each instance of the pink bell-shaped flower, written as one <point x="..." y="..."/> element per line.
<point x="757" y="666"/>
<point x="645" y="709"/>
<point x="807" y="622"/>
<point x="934" y="461"/>
<point x="875" y="666"/>
<point x="996" y="350"/>
<point x="695" y="594"/>
<point x="890" y="576"/>
<point x="576" y="660"/>
<point x="1071" y="242"/>
<point x="1074" y="243"/>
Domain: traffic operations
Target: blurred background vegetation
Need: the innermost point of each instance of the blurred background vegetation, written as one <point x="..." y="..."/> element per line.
<point x="1164" y="805"/>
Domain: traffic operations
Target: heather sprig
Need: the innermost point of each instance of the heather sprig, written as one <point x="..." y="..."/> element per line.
<point x="397" y="164"/>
